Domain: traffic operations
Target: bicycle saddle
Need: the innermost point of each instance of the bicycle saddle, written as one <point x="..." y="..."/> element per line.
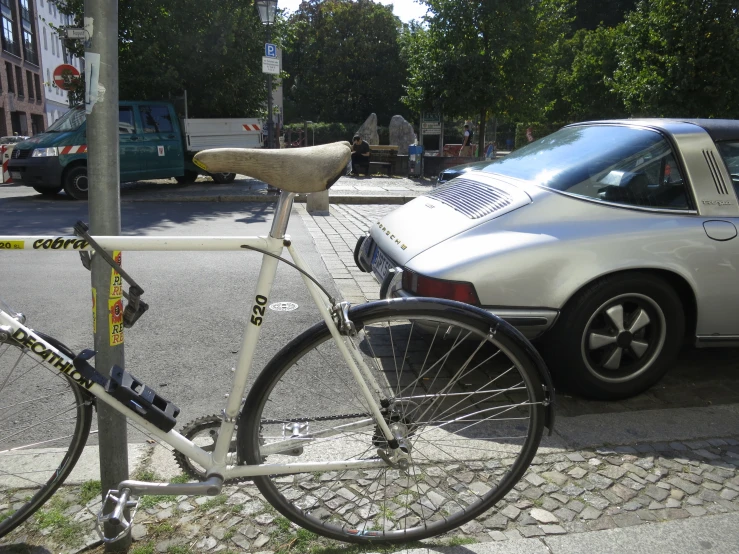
<point x="301" y="170"/>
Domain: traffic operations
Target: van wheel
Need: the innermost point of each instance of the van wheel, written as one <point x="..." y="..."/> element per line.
<point x="188" y="177"/>
<point x="76" y="183"/>
<point x="223" y="178"/>
<point x="48" y="191"/>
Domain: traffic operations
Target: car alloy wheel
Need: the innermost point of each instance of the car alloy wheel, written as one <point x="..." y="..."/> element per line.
<point x="623" y="337"/>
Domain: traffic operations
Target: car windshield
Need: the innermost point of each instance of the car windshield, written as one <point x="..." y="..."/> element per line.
<point x="70" y="121"/>
<point x="614" y="163"/>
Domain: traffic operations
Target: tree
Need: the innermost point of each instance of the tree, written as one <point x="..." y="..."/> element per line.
<point x="343" y="59"/>
<point x="211" y="48"/>
<point x="609" y="13"/>
<point x="678" y="58"/>
<point x="482" y="57"/>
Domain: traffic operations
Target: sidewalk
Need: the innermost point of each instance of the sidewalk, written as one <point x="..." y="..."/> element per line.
<point x="602" y="483"/>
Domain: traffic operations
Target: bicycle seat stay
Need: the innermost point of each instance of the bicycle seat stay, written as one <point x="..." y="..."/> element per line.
<point x="299" y="170"/>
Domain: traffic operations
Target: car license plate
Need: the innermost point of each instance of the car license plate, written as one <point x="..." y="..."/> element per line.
<point x="381" y="264"/>
<point x="15" y="174"/>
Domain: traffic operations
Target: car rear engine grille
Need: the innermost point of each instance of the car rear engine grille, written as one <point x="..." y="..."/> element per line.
<point x="20" y="154"/>
<point x="472" y="198"/>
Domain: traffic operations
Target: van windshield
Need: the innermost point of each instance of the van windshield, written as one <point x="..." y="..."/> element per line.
<point x="70" y="121"/>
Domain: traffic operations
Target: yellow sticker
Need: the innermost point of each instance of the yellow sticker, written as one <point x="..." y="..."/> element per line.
<point x="115" y="321"/>
<point x="11" y="244"/>
<point x="116" y="281"/>
<point x="94" y="311"/>
<point x="200" y="164"/>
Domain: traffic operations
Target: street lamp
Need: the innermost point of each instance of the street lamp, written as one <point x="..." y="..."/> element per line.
<point x="314" y="133"/>
<point x="267" y="11"/>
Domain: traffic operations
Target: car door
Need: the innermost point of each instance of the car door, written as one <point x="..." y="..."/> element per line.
<point x="163" y="145"/>
<point x="133" y="164"/>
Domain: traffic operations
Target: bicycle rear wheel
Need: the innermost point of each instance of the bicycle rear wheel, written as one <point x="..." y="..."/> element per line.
<point x="44" y="423"/>
<point x="462" y="388"/>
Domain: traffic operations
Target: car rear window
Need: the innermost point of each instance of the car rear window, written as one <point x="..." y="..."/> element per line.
<point x="610" y="163"/>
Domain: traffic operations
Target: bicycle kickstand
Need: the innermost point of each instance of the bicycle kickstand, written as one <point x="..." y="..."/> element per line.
<point x="117" y="517"/>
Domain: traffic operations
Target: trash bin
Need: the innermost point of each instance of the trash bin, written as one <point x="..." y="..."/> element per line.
<point x="415" y="161"/>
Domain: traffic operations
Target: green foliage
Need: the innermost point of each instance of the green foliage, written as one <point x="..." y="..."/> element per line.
<point x="678" y="58"/>
<point x="332" y="132"/>
<point x="207" y="47"/>
<point x="146" y="548"/>
<point x="90" y="490"/>
<point x="345" y="62"/>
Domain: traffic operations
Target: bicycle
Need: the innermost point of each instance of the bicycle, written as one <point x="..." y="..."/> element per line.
<point x="423" y="415"/>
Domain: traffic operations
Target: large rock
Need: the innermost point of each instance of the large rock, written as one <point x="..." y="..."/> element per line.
<point x="401" y="134"/>
<point x="368" y="130"/>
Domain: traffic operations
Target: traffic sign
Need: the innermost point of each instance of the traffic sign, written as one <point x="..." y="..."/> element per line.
<point x="270" y="65"/>
<point x="66" y="76"/>
<point x="431" y="117"/>
<point x="431" y="127"/>
<point x="270" y="50"/>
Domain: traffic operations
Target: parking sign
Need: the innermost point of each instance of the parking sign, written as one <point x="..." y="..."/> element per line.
<point x="270" y="50"/>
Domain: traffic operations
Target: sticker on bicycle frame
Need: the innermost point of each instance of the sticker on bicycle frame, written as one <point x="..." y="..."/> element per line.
<point x="116" y="281"/>
<point x="258" y="309"/>
<point x="60" y="243"/>
<point x="11" y="244"/>
<point x="115" y="321"/>
<point x="200" y="164"/>
<point x="51" y="357"/>
<point x="94" y="311"/>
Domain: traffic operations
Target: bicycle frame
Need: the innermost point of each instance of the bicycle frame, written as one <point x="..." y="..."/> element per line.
<point x="219" y="462"/>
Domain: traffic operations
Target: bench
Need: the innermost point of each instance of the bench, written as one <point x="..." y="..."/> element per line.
<point x="381" y="157"/>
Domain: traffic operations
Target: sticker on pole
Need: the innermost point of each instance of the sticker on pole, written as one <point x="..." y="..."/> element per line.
<point x="116" y="281"/>
<point x="66" y="76"/>
<point x="115" y="321"/>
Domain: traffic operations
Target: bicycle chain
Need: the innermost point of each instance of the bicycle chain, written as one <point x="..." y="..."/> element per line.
<point x="191" y="429"/>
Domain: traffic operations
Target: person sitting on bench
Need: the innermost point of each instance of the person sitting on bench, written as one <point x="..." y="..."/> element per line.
<point x="360" y="155"/>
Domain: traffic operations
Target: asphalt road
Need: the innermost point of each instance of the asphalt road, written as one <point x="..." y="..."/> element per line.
<point x="186" y="344"/>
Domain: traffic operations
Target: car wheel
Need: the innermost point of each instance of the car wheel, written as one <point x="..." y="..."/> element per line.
<point x="617" y="337"/>
<point x="48" y="191"/>
<point x="76" y="183"/>
<point x="223" y="178"/>
<point x="188" y="177"/>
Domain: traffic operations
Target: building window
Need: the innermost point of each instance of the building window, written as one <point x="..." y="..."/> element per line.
<point x="9" y="75"/>
<point x="46" y="44"/>
<point x="37" y="82"/>
<point x="19" y="81"/>
<point x="9" y="42"/>
<point x="53" y="45"/>
<point x="25" y="11"/>
<point x="29" y="82"/>
<point x="48" y="79"/>
<point x="29" y="50"/>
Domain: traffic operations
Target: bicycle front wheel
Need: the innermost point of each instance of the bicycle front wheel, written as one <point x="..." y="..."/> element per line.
<point x="460" y="388"/>
<point x="44" y="423"/>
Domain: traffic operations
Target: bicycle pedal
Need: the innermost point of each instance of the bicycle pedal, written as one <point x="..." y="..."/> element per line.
<point x="117" y="517"/>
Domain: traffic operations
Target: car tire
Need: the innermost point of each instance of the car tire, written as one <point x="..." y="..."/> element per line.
<point x="48" y="191"/>
<point x="76" y="183"/>
<point x="617" y="337"/>
<point x="223" y="178"/>
<point x="187" y="178"/>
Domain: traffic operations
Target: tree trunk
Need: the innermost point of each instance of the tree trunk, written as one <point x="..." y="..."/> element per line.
<point x="481" y="132"/>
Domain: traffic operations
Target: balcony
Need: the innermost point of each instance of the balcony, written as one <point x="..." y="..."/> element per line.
<point x="12" y="47"/>
<point x="30" y="55"/>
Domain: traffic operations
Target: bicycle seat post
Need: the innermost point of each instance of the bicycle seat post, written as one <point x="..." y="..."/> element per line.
<point x="282" y="215"/>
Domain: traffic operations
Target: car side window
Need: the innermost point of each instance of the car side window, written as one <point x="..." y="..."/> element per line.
<point x="648" y="178"/>
<point x="156" y="119"/>
<point x="126" y="124"/>
<point x="730" y="153"/>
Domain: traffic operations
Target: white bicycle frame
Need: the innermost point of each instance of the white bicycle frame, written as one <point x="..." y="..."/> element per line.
<point x="219" y="462"/>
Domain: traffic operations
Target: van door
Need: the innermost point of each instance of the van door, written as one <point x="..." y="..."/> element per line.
<point x="163" y="145"/>
<point x="133" y="164"/>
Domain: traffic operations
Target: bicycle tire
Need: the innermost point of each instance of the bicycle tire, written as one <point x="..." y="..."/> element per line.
<point x="345" y="505"/>
<point x="24" y="492"/>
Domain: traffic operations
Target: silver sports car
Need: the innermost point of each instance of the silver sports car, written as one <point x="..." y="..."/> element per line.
<point x="610" y="242"/>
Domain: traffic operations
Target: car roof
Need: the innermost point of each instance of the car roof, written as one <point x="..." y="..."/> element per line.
<point x="718" y="129"/>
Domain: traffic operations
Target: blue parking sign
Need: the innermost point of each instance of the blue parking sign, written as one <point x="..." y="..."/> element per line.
<point x="270" y="50"/>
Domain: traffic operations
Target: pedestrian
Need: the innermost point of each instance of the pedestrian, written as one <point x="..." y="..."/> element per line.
<point x="466" y="149"/>
<point x="360" y="155"/>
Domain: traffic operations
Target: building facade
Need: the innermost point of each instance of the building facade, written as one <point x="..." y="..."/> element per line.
<point x="21" y="91"/>
<point x="53" y="53"/>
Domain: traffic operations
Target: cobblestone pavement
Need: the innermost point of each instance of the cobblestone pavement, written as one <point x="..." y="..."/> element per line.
<point x="563" y="492"/>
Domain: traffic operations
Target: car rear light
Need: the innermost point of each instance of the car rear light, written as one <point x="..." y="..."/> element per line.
<point x="420" y="285"/>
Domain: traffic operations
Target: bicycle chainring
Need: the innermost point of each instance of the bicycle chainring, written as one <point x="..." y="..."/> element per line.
<point x="204" y="433"/>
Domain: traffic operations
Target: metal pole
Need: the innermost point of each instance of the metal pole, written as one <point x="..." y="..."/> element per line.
<point x="101" y="62"/>
<point x="269" y="96"/>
